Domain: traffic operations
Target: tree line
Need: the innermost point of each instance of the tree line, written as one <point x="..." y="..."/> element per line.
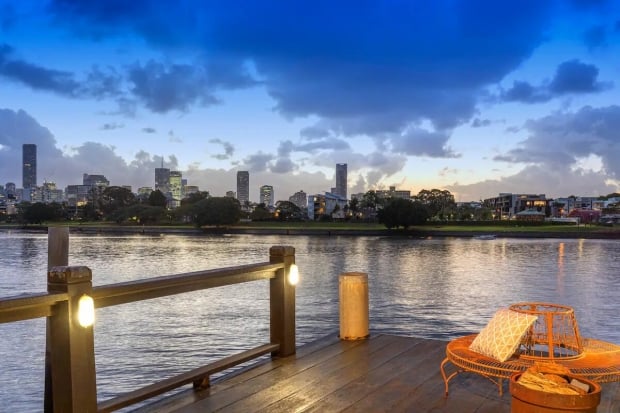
<point x="119" y="205"/>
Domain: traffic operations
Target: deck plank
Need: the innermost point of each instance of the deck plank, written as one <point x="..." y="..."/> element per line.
<point x="382" y="374"/>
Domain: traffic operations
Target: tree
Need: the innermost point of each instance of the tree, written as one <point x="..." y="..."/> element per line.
<point x="116" y="197"/>
<point x="216" y="211"/>
<point x="261" y="213"/>
<point x="404" y="213"/>
<point x="195" y="197"/>
<point x="39" y="212"/>
<point x="158" y="199"/>
<point x="286" y="211"/>
<point x="440" y="203"/>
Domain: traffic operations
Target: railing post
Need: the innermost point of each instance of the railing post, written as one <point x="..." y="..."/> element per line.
<point x="57" y="255"/>
<point x="72" y="356"/>
<point x="282" y="302"/>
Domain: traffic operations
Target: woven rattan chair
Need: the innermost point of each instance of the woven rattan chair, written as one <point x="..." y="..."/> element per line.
<point x="554" y="338"/>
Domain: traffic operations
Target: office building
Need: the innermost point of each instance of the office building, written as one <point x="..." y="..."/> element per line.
<point x="95" y="180"/>
<point x="243" y="187"/>
<point x="176" y="188"/>
<point x="300" y="199"/>
<point x="341" y="180"/>
<point x="29" y="166"/>
<point x="162" y="180"/>
<point x="266" y="195"/>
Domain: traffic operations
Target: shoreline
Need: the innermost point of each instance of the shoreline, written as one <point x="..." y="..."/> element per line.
<point x="416" y="233"/>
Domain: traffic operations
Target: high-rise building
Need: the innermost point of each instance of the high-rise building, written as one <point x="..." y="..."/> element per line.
<point x="300" y="199"/>
<point x="95" y="180"/>
<point x="29" y="165"/>
<point x="162" y="180"/>
<point x="341" y="180"/>
<point x="266" y="195"/>
<point x="176" y="189"/>
<point x="243" y="187"/>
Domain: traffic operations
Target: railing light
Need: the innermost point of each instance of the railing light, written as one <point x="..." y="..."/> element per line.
<point x="293" y="275"/>
<point x="86" y="311"/>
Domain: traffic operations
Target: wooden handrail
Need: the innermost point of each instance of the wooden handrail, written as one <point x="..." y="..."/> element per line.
<point x="28" y="307"/>
<point x="70" y="366"/>
<point x="130" y="291"/>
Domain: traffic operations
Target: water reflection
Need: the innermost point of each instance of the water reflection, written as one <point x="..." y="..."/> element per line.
<point x="439" y="288"/>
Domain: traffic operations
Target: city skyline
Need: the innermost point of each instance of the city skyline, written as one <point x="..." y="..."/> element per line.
<point x="453" y="95"/>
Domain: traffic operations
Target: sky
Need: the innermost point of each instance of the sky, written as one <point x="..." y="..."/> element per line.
<point x="472" y="96"/>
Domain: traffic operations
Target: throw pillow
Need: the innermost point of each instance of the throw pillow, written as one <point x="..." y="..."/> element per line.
<point x="502" y="335"/>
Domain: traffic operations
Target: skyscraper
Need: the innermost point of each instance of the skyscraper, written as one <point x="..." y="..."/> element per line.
<point x="176" y="188"/>
<point x="341" y="179"/>
<point x="29" y="165"/>
<point x="243" y="186"/>
<point x="266" y="195"/>
<point x="162" y="179"/>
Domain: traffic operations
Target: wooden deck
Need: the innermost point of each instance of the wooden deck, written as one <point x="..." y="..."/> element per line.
<point x="382" y="374"/>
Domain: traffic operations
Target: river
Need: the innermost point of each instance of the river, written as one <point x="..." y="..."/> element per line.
<point x="435" y="288"/>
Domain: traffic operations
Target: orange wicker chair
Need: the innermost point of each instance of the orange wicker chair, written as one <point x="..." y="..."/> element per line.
<point x="553" y="338"/>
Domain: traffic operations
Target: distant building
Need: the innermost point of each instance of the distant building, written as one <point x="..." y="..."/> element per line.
<point x="320" y="205"/>
<point x="29" y="165"/>
<point x="266" y="195"/>
<point x="176" y="189"/>
<point x="231" y="194"/>
<point x="300" y="199"/>
<point x="78" y="195"/>
<point x="341" y="180"/>
<point x="507" y="205"/>
<point x="162" y="180"/>
<point x="144" y="192"/>
<point x="95" y="180"/>
<point x="190" y="189"/>
<point x="393" y="193"/>
<point x="243" y="187"/>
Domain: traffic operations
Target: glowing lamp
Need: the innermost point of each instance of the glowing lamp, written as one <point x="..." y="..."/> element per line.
<point x="86" y="311"/>
<point x="293" y="275"/>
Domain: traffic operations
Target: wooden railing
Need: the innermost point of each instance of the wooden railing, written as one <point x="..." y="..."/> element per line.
<point x="70" y="355"/>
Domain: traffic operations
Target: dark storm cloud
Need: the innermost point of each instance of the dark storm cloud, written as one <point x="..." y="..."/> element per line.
<point x="595" y="37"/>
<point x="575" y="77"/>
<point x="571" y="76"/>
<point x="560" y="140"/>
<point x="162" y="88"/>
<point x="35" y="76"/>
<point x="398" y="62"/>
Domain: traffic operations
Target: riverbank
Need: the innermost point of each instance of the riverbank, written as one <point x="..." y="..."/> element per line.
<point x="336" y="229"/>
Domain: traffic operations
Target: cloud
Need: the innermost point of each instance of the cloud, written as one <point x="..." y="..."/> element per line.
<point x="173" y="138"/>
<point x="571" y="77"/>
<point x="595" y="37"/>
<point x="149" y="130"/>
<point x="420" y="142"/>
<point x="112" y="126"/>
<point x="552" y="155"/>
<point x="229" y="149"/>
<point x="396" y="63"/>
<point x="35" y="76"/>
<point x="536" y="179"/>
<point x="480" y="123"/>
<point x="559" y="140"/>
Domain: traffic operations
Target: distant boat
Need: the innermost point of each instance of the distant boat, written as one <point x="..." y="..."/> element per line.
<point x="485" y="237"/>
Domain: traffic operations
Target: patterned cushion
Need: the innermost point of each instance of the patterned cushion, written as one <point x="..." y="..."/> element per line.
<point x="502" y="336"/>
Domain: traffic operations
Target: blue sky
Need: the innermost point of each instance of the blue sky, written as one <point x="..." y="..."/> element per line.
<point x="477" y="97"/>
